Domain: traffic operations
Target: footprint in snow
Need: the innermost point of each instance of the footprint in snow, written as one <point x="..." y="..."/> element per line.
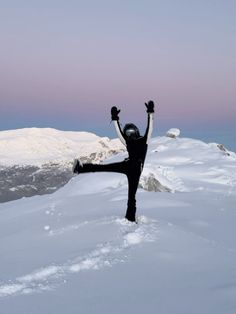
<point x="104" y="255"/>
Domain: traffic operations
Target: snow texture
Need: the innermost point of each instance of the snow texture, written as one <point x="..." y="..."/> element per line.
<point x="73" y="252"/>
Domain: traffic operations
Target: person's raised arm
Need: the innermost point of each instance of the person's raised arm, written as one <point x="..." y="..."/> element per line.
<point x="150" y="112"/>
<point x="115" y="118"/>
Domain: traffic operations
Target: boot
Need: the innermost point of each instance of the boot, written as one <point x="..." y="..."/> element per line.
<point x="77" y="165"/>
<point x="131" y="210"/>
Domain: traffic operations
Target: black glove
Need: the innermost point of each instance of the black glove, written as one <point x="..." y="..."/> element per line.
<point x="150" y="106"/>
<point x="114" y="113"/>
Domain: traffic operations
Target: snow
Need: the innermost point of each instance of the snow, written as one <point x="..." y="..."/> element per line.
<point x="35" y="146"/>
<point x="73" y="252"/>
<point x="173" y="133"/>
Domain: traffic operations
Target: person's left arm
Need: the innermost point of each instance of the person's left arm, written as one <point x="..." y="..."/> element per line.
<point x="150" y="112"/>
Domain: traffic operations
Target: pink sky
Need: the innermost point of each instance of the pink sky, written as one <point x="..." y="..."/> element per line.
<point x="66" y="60"/>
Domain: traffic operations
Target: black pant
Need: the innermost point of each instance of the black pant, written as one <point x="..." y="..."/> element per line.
<point x="132" y="169"/>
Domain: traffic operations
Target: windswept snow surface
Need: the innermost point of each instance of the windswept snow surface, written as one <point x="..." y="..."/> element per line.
<point x="72" y="252"/>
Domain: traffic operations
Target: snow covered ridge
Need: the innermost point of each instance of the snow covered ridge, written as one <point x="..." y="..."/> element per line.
<point x="184" y="165"/>
<point x="38" y="161"/>
<point x="38" y="146"/>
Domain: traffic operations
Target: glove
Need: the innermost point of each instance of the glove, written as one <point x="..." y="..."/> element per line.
<point x="114" y="113"/>
<point x="150" y="106"/>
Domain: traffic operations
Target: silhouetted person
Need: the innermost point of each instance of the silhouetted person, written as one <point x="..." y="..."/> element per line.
<point x="133" y="165"/>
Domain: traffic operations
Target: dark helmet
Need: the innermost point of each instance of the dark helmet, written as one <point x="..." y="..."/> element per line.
<point x="131" y="132"/>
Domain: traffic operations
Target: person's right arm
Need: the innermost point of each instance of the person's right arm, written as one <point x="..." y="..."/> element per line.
<point x="115" y="119"/>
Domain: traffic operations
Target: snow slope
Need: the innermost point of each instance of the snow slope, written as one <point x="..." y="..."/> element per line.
<point x="72" y="252"/>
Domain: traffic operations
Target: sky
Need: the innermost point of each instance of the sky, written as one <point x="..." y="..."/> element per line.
<point x="63" y="64"/>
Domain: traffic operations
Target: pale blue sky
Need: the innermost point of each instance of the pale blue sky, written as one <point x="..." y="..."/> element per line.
<point x="64" y="63"/>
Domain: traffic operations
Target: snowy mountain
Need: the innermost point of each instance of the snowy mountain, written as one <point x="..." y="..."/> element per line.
<point x="37" y="161"/>
<point x="72" y="251"/>
<point x="34" y="146"/>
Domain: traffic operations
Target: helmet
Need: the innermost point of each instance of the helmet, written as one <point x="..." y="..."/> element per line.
<point x="131" y="132"/>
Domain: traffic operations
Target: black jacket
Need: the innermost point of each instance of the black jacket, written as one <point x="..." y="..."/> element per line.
<point x="137" y="148"/>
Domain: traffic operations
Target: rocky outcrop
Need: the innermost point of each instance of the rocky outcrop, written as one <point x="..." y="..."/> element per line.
<point x="150" y="183"/>
<point x="223" y="149"/>
<point x="173" y="133"/>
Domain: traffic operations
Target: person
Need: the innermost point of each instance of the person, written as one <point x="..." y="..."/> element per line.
<point x="132" y="166"/>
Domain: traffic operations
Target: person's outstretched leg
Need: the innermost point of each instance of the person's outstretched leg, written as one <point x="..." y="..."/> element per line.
<point x="132" y="171"/>
<point x="120" y="167"/>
